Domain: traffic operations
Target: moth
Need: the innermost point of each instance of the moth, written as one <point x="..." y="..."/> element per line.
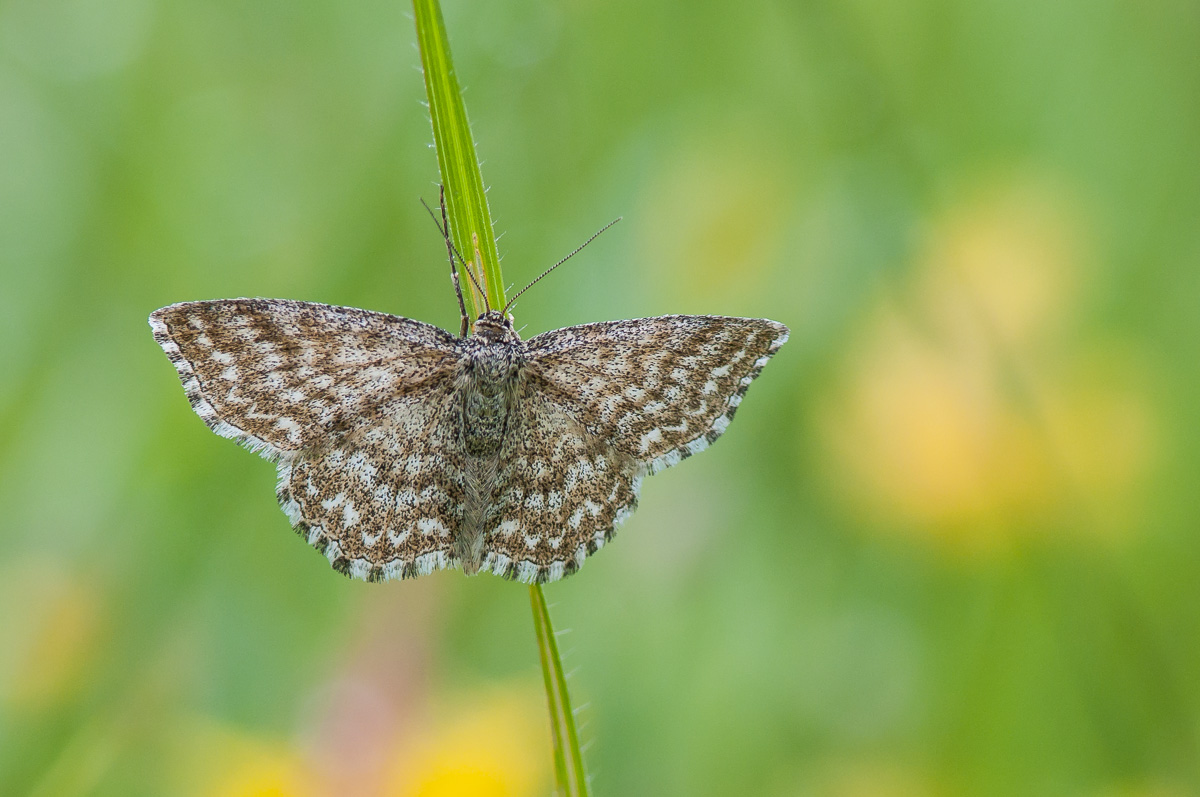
<point x="403" y="449"/>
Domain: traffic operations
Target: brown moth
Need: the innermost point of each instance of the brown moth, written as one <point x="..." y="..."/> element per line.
<point x="403" y="449"/>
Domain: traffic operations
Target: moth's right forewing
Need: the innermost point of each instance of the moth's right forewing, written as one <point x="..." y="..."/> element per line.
<point x="280" y="375"/>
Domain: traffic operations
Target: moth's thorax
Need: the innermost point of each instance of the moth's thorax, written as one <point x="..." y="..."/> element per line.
<point x="494" y="353"/>
<point x="491" y="368"/>
<point x="493" y="357"/>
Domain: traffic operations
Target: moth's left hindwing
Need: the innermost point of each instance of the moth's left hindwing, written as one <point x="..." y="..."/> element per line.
<point x="603" y="405"/>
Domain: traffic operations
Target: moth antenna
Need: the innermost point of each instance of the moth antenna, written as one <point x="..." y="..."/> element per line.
<point x="574" y="252"/>
<point x="445" y="231"/>
<point x="464" y="320"/>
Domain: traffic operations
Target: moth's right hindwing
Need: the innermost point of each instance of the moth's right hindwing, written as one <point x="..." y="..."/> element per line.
<point x="354" y="406"/>
<point x="385" y="501"/>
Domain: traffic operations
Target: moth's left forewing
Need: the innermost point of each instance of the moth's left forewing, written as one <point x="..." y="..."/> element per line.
<point x="657" y="389"/>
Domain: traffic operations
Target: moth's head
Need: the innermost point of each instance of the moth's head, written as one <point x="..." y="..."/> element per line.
<point x="495" y="327"/>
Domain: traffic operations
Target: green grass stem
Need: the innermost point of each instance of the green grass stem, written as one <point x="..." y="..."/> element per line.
<point x="466" y="200"/>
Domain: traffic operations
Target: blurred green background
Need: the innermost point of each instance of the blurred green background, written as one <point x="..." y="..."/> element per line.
<point x="949" y="547"/>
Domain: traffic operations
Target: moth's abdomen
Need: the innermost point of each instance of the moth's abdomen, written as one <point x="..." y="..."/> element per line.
<point x="487" y="400"/>
<point x="483" y="423"/>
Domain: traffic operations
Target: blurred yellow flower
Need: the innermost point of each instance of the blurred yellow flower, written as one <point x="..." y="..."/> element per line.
<point x="863" y="779"/>
<point x="267" y="776"/>
<point x="967" y="412"/>
<point x="495" y="746"/>
<point x="714" y="216"/>
<point x="219" y="761"/>
<point x="1004" y="264"/>
<point x="47" y="647"/>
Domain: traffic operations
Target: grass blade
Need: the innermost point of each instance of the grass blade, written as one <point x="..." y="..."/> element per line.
<point x="466" y="201"/>
<point x="568" y="756"/>
<point x="472" y="232"/>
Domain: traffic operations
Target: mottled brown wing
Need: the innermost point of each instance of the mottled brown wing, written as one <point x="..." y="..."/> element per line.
<point x="656" y="389"/>
<point x="386" y="500"/>
<point x="278" y="375"/>
<point x="351" y="404"/>
<point x="601" y="406"/>
<point x="560" y="493"/>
